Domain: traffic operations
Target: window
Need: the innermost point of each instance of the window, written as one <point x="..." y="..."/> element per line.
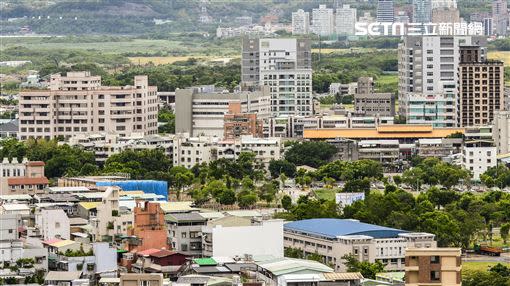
<point x="183" y="235"/>
<point x="435" y="276"/>
<point x="434" y="259"/>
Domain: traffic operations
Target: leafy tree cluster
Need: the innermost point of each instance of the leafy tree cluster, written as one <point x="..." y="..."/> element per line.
<point x="140" y="164"/>
<point x="349" y="67"/>
<point x="310" y="153"/>
<point x="498" y="274"/>
<point x="456" y="219"/>
<point x="60" y="159"/>
<point x="498" y="176"/>
<point x="433" y="171"/>
<point x="337" y="99"/>
<point x="168" y="117"/>
<point x="367" y="269"/>
<point x="228" y="182"/>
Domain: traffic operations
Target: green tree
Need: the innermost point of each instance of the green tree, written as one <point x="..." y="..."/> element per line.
<point x="227" y="197"/>
<point x="367" y="269"/>
<point x="310" y="153"/>
<point x="246" y="200"/>
<point x="504" y="230"/>
<point x="286" y="202"/>
<point x="276" y="167"/>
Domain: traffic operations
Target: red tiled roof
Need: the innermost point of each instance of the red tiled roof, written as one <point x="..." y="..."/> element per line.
<point x="50" y="241"/>
<point x="35" y="163"/>
<point x="163" y="253"/>
<point x="27" y="181"/>
<point x="148" y="251"/>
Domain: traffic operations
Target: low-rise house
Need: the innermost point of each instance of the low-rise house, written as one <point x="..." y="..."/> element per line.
<point x="25" y="177"/>
<point x="170" y="263"/>
<point x="52" y="223"/>
<point x="62" y="278"/>
<point x="184" y="231"/>
<point x="289" y="271"/>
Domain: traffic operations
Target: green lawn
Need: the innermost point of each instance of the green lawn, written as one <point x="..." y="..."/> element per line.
<point x="122" y="45"/>
<point x="470" y="266"/>
<point x="326" y="194"/>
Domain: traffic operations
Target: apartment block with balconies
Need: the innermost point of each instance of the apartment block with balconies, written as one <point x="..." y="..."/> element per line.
<point x="433" y="266"/>
<point x="78" y="104"/>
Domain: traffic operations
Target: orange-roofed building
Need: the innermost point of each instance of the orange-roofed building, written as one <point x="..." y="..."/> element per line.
<point x="403" y="133"/>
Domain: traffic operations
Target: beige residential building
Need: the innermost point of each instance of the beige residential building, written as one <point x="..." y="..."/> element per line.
<point x="25" y="177"/>
<point x="77" y="103"/>
<point x="433" y="266"/>
<point x="145" y="279"/>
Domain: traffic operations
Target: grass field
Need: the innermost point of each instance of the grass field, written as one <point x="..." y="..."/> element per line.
<point x="121" y="46"/>
<point x="326" y="194"/>
<point x="173" y="59"/>
<point x="470" y="266"/>
<point x="500" y="55"/>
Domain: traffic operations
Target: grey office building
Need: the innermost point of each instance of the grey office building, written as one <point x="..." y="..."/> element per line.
<point x="385" y="11"/>
<point x="375" y="104"/>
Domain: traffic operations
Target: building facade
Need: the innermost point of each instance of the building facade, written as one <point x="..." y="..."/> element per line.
<point x="346" y="18"/>
<point x="481" y="88"/>
<point x="285" y="66"/>
<point x="78" y="103"/>
<point x="500" y="17"/>
<point x="501" y="131"/>
<point x="25" y="177"/>
<point x="375" y="104"/>
<point x="334" y="238"/>
<point x="202" y="113"/>
<point x="428" y="78"/>
<point x="385" y="11"/>
<point x="300" y="22"/>
<point x="422" y="11"/>
<point x="433" y="266"/>
<point x="323" y="21"/>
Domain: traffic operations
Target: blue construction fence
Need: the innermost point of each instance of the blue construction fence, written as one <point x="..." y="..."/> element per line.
<point x="147" y="186"/>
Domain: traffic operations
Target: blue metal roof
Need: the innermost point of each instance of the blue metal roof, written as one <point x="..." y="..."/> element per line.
<point x="331" y="228"/>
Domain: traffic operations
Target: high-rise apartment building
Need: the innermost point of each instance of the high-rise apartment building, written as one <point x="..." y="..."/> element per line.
<point x="345" y="20"/>
<point x="422" y="11"/>
<point x="481" y="87"/>
<point x="443" y="4"/>
<point x="285" y="65"/>
<point x="385" y="11"/>
<point x="501" y="131"/>
<point x="78" y="104"/>
<point x="445" y="15"/>
<point x="323" y="21"/>
<point x="300" y="22"/>
<point x="433" y="266"/>
<point x="488" y="26"/>
<point x="428" y="67"/>
<point x="500" y="16"/>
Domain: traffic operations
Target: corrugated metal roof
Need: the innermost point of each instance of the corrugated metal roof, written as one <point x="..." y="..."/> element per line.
<point x="286" y="265"/>
<point x="342" y="276"/>
<point x="332" y="228"/>
<point x="89" y="205"/>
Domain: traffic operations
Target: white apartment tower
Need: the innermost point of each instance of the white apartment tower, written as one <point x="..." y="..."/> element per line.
<point x="285" y="66"/>
<point x="78" y="104"/>
<point x="428" y="78"/>
<point x="323" y="21"/>
<point x="300" y="22"/>
<point x="345" y="20"/>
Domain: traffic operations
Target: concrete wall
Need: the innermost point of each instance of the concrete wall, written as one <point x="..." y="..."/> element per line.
<point x="265" y="239"/>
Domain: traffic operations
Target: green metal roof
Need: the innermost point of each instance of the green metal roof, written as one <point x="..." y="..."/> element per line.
<point x="205" y="261"/>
